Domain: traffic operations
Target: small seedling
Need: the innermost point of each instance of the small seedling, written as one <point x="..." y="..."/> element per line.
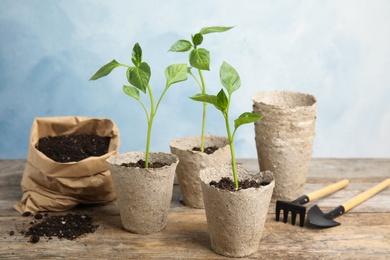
<point x="139" y="76"/>
<point x="231" y="81"/>
<point x="199" y="58"/>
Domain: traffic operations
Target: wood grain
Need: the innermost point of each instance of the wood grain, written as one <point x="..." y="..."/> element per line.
<point x="364" y="232"/>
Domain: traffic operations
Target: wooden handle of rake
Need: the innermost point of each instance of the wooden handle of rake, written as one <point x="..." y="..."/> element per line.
<point x="327" y="190"/>
<point x="365" y="195"/>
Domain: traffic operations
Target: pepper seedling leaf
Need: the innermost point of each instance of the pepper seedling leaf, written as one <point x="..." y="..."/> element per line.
<point x="175" y="73"/>
<point x="246" y="118"/>
<point x="139" y="77"/>
<point x="210" y="99"/>
<point x="132" y="92"/>
<point x="197" y="39"/>
<point x="200" y="59"/>
<point x="229" y="78"/>
<point x="181" y="46"/>
<point x="215" y="29"/>
<point x="136" y="55"/>
<point x="105" y="70"/>
<point x="220" y="101"/>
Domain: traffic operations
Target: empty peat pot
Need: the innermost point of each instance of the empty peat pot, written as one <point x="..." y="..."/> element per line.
<point x="284" y="138"/>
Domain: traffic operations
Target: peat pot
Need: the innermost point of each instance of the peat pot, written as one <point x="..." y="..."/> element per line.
<point x="235" y="220"/>
<point x="192" y="162"/>
<point x="284" y="139"/>
<point x="143" y="195"/>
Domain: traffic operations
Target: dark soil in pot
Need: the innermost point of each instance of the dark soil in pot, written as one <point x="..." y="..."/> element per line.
<point x="141" y="164"/>
<point x="228" y="184"/>
<point x="207" y="150"/>
<point x="73" y="148"/>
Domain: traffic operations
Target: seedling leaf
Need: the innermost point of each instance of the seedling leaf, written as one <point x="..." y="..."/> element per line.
<point x="214" y="29"/>
<point x="181" y="46"/>
<point x="210" y="99"/>
<point x="200" y="59"/>
<point x="197" y="39"/>
<point x="137" y="55"/>
<point x="132" y="92"/>
<point x="105" y="70"/>
<point x="246" y="118"/>
<point x="139" y="76"/>
<point x="222" y="101"/>
<point x="229" y="78"/>
<point x="176" y="73"/>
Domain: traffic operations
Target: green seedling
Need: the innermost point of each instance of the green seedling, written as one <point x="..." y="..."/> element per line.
<point x="139" y="76"/>
<point x="231" y="81"/>
<point x="199" y="58"/>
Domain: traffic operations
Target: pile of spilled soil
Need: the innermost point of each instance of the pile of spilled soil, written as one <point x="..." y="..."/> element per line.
<point x="73" y="148"/>
<point x="69" y="226"/>
<point x="207" y="150"/>
<point x="228" y="184"/>
<point x="141" y="164"/>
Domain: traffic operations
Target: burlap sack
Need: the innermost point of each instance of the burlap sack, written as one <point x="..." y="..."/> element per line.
<point x="52" y="186"/>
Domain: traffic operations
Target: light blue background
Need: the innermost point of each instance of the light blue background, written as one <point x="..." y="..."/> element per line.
<point x="337" y="50"/>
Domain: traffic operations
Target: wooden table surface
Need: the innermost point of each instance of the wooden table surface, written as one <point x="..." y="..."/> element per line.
<point x="364" y="232"/>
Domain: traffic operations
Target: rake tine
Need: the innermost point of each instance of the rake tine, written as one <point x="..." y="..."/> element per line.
<point x="293" y="217"/>
<point x="285" y="216"/>
<point x="301" y="219"/>
<point x="277" y="212"/>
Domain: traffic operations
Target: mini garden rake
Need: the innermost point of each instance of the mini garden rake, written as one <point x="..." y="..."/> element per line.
<point x="295" y="207"/>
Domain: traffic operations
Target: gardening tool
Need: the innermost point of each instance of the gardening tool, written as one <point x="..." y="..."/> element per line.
<point x="295" y="207"/>
<point x="318" y="218"/>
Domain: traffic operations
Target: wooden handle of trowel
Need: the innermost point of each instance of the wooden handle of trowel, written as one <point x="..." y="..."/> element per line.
<point x="327" y="190"/>
<point x="365" y="195"/>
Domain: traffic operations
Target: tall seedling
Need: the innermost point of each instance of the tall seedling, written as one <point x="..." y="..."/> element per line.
<point x="199" y="58"/>
<point x="231" y="81"/>
<point x="139" y="76"/>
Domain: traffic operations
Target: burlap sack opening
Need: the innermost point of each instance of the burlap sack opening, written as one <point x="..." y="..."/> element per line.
<point x="52" y="186"/>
